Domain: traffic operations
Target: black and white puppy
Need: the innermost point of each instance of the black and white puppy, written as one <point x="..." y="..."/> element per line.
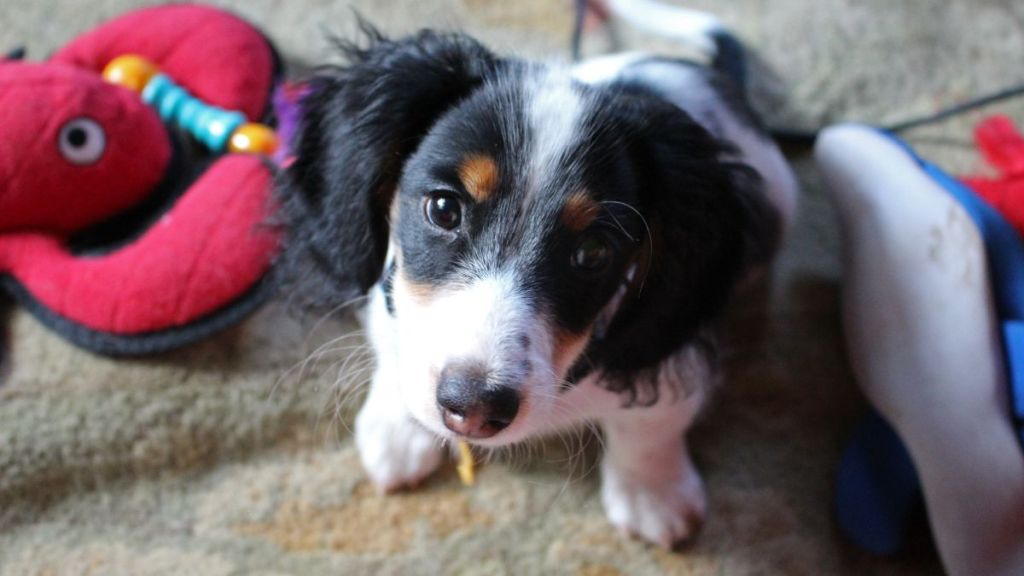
<point x="541" y="245"/>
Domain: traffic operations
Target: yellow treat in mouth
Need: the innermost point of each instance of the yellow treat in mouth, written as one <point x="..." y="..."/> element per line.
<point x="466" y="466"/>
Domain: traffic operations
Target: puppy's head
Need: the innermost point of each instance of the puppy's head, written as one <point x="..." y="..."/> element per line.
<point x="540" y="229"/>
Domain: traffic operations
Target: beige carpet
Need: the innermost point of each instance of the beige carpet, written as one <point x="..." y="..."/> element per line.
<point x="234" y="457"/>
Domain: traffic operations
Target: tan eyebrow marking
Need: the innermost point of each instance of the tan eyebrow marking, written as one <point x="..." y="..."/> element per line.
<point x="580" y="211"/>
<point x="479" y="175"/>
<point x="420" y="293"/>
<point x="569" y="345"/>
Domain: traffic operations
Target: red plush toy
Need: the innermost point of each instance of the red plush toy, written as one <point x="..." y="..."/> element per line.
<point x="1003" y="147"/>
<point x="111" y="231"/>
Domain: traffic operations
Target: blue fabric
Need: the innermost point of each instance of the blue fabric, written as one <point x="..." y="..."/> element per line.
<point x="1013" y="342"/>
<point x="877" y="488"/>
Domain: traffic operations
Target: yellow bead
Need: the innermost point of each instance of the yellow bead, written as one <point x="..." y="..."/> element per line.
<point x="130" y="71"/>
<point x="253" y="139"/>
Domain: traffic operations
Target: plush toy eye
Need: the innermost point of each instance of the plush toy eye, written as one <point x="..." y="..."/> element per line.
<point x="443" y="210"/>
<point x="82" y="141"/>
<point x="592" y="253"/>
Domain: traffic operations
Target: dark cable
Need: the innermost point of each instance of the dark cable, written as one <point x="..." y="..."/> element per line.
<point x="1004" y="94"/>
<point x="795" y="137"/>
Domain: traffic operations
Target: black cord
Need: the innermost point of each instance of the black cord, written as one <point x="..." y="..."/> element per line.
<point x="797" y="137"/>
<point x="793" y="137"/>
<point x="1004" y="94"/>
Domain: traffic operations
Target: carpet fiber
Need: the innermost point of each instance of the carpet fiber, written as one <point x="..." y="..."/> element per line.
<point x="234" y="456"/>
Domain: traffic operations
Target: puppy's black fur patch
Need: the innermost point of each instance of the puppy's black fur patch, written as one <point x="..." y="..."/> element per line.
<point x="709" y="221"/>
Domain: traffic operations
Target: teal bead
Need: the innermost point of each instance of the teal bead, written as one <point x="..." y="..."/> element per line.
<point x="170" y="103"/>
<point x="209" y="124"/>
<point x="189" y="113"/>
<point x="155" y="89"/>
<point x="218" y="129"/>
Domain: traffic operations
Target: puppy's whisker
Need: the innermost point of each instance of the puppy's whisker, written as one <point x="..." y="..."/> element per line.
<point x="331" y="347"/>
<point x="313" y="330"/>
<point x="327" y="315"/>
<point x="650" y="238"/>
<point x="358" y="352"/>
<point x="348" y="384"/>
<point x="353" y="380"/>
<point x="618" y="224"/>
<point x="355" y="353"/>
<point x="339" y="395"/>
<point x="303" y="365"/>
<point x="573" y="436"/>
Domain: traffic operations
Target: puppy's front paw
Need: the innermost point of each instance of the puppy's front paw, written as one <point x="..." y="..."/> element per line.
<point x="396" y="452"/>
<point x="665" y="511"/>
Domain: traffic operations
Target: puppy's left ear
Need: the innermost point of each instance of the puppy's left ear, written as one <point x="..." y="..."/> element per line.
<point x="359" y="125"/>
<point x="710" y="222"/>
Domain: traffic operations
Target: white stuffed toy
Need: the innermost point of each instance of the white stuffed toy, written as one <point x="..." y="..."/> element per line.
<point x="926" y="334"/>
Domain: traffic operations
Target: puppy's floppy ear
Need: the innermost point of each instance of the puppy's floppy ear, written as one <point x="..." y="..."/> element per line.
<point x="359" y="124"/>
<point x="709" y="223"/>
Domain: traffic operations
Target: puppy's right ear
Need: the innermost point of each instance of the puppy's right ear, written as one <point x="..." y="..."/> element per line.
<point x="358" y="126"/>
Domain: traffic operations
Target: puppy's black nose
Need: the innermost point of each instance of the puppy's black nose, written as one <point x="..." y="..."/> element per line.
<point x="473" y="408"/>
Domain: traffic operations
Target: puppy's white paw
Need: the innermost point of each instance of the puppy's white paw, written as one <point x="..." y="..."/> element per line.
<point x="395" y="451"/>
<point x="664" y="511"/>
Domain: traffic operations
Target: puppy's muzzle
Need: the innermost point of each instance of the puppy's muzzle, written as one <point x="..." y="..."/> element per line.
<point x="473" y="407"/>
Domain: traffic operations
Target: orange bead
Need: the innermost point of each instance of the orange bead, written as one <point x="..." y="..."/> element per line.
<point x="253" y="139"/>
<point x="130" y="71"/>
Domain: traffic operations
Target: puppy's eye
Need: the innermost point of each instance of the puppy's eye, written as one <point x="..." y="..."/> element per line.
<point x="591" y="254"/>
<point x="443" y="210"/>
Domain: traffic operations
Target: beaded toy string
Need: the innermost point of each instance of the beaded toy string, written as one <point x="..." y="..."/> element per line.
<point x="220" y="130"/>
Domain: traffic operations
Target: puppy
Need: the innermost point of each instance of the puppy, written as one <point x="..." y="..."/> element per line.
<point x="540" y="245"/>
